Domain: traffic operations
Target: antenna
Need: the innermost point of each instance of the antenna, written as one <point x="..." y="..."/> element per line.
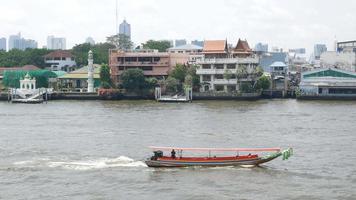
<point x="116" y="26"/>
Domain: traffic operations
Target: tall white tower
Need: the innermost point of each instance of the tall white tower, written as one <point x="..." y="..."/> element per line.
<point x="90" y="72"/>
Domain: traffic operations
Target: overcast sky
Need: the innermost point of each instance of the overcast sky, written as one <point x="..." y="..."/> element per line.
<point x="282" y="23"/>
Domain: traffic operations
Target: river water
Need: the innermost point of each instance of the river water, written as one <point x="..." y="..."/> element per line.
<point x="95" y="149"/>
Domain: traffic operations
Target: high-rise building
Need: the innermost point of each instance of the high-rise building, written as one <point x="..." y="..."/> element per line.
<point x="318" y="50"/>
<point x="125" y="28"/>
<point x="90" y="40"/>
<point x="259" y="47"/>
<point x="180" y="42"/>
<point x="56" y="43"/>
<point x="198" y="43"/>
<point x="298" y="51"/>
<point x="17" y="42"/>
<point x="3" y="44"/>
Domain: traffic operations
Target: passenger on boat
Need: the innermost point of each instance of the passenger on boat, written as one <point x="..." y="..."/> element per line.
<point x="173" y="153"/>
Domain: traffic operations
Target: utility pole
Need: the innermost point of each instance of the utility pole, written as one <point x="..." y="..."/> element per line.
<point x="116" y="19"/>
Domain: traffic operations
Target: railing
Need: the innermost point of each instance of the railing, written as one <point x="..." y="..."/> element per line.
<point x="228" y="60"/>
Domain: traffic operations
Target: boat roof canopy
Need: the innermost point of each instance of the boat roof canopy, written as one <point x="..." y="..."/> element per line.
<point x="277" y="149"/>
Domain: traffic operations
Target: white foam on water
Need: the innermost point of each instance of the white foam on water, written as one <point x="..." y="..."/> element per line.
<point x="121" y="161"/>
<point x="101" y="163"/>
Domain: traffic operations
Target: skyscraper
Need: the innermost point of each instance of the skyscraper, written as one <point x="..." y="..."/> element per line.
<point x="198" y="43"/>
<point x="125" y="28"/>
<point x="259" y="47"/>
<point x="318" y="50"/>
<point x="180" y="42"/>
<point x="3" y="44"/>
<point x="17" y="42"/>
<point x="56" y="43"/>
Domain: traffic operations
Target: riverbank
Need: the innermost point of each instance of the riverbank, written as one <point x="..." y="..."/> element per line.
<point x="121" y="96"/>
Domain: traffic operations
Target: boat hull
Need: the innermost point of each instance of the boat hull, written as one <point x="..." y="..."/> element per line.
<point x="209" y="163"/>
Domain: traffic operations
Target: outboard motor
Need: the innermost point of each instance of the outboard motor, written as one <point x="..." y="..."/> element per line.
<point x="157" y="154"/>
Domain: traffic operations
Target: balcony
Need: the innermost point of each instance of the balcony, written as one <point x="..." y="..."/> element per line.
<point x="214" y="71"/>
<point x="157" y="64"/>
<point x="227" y="60"/>
<point x="224" y="82"/>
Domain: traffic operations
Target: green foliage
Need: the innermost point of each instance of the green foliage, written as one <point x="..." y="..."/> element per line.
<point x="12" y="78"/>
<point x="227" y="74"/>
<point x="246" y="87"/>
<point x="192" y="71"/>
<point x="259" y="71"/>
<point x="16" y="57"/>
<point x="241" y="72"/>
<point x="151" y="82"/>
<point x="133" y="80"/>
<point x="263" y="83"/>
<point x="100" y="53"/>
<point x="161" y="46"/>
<point x="188" y="80"/>
<point x="179" y="72"/>
<point x="120" y="41"/>
<point x="105" y="78"/>
<point x="172" y="84"/>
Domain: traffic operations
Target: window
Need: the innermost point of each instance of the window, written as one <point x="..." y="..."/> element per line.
<point x="231" y="66"/>
<point x="156" y="59"/>
<point x="219" y="66"/>
<point x="206" y="78"/>
<point x="121" y="68"/>
<point x="219" y="76"/>
<point x="147" y="68"/>
<point x="206" y="66"/>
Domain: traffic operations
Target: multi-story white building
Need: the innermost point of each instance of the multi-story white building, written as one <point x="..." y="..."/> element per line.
<point x="219" y="68"/>
<point x="60" y="60"/>
<point x="56" y="43"/>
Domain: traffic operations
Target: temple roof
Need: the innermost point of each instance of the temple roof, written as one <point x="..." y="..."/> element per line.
<point x="215" y="46"/>
<point x="242" y="46"/>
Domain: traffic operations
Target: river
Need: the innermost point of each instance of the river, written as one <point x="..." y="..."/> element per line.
<point x="95" y="149"/>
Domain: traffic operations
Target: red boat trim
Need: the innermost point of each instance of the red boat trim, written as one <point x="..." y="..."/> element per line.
<point x="219" y="149"/>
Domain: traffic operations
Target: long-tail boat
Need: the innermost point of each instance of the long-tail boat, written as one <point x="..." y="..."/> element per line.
<point x="242" y="157"/>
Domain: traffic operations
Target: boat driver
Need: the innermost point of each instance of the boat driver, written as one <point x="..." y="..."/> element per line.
<point x="173" y="153"/>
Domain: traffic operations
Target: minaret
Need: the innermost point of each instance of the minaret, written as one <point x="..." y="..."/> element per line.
<point x="90" y="72"/>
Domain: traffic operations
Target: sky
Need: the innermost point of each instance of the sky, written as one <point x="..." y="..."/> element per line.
<point x="282" y="23"/>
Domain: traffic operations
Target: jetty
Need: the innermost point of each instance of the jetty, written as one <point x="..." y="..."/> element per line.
<point x="177" y="98"/>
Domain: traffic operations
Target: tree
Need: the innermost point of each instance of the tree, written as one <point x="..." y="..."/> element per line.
<point x="263" y="83"/>
<point x="151" y="82"/>
<point x="172" y="84"/>
<point x="105" y="78"/>
<point x="192" y="71"/>
<point x="100" y="53"/>
<point x="133" y="80"/>
<point x="227" y="74"/>
<point x="179" y="72"/>
<point x="120" y="41"/>
<point x="241" y="72"/>
<point x="16" y="57"/>
<point x="246" y="87"/>
<point x="161" y="46"/>
<point x="188" y="81"/>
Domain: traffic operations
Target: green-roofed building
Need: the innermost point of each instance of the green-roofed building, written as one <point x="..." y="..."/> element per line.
<point x="329" y="82"/>
<point x="78" y="80"/>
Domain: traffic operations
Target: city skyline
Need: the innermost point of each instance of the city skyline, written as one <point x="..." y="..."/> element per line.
<point x="277" y="23"/>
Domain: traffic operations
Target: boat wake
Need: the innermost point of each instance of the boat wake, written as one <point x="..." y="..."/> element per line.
<point x="91" y="164"/>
